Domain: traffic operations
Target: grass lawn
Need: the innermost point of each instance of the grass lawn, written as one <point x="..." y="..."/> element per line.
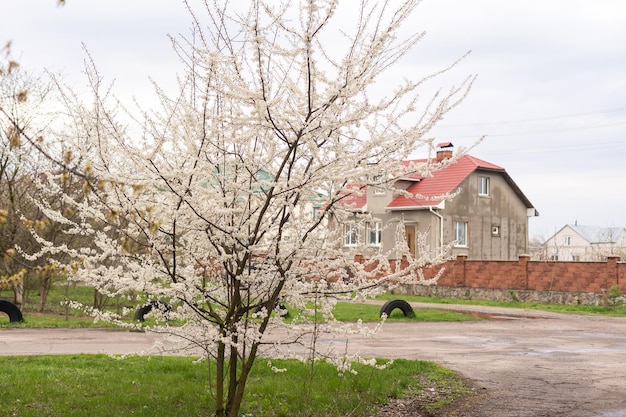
<point x="98" y="386"/>
<point x="57" y="314"/>
<point x="610" y="310"/>
<point x="371" y="313"/>
<point x="343" y="312"/>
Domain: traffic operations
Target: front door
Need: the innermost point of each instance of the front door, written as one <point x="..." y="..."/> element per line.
<point x="409" y="235"/>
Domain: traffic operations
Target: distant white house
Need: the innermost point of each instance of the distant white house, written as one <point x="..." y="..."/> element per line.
<point x="585" y="243"/>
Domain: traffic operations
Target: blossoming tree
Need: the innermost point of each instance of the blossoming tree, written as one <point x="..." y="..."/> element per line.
<point x="23" y="99"/>
<point x="204" y="205"/>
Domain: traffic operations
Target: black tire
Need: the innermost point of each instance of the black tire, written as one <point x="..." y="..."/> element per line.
<point x="391" y="305"/>
<point x="15" y="315"/>
<point x="147" y="307"/>
<point x="280" y="309"/>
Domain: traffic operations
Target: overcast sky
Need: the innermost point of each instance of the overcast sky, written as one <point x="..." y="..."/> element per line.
<point x="550" y="95"/>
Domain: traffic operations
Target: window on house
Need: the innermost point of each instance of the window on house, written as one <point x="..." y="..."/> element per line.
<point x="495" y="230"/>
<point x="374" y="234"/>
<point x="316" y="212"/>
<point x="350" y="235"/>
<point x="554" y="257"/>
<point x="483" y="185"/>
<point x="567" y="240"/>
<point x="576" y="258"/>
<point x="460" y="233"/>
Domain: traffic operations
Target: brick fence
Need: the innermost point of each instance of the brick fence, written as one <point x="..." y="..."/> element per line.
<point x="524" y="274"/>
<point x="523" y="279"/>
<point x="548" y="281"/>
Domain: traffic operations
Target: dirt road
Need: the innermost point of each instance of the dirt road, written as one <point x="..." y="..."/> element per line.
<point x="549" y="365"/>
<point x="527" y="364"/>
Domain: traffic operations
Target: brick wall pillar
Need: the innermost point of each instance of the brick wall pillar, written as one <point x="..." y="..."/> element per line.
<point x="612" y="274"/>
<point x="459" y="270"/>
<point x="522" y="271"/>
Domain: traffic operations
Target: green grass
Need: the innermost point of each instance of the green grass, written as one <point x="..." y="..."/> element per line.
<point x="98" y="386"/>
<point x="51" y="320"/>
<point x="371" y="313"/>
<point x="82" y="385"/>
<point x="61" y="292"/>
<point x="619" y="310"/>
<point x="57" y="315"/>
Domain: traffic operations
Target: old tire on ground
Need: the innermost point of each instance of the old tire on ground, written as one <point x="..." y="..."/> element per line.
<point x="280" y="309"/>
<point x="147" y="307"/>
<point x="391" y="305"/>
<point x="15" y="315"/>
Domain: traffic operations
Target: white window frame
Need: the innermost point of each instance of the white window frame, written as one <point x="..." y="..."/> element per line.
<point x="567" y="241"/>
<point x="460" y="234"/>
<point x="484" y="186"/>
<point x="350" y="235"/>
<point x="374" y="233"/>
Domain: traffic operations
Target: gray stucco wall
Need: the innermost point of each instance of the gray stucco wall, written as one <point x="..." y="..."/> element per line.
<point x="502" y="208"/>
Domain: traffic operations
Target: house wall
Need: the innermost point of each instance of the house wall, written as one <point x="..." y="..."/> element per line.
<point x="568" y="245"/>
<point x="502" y="208"/>
<point x="424" y="222"/>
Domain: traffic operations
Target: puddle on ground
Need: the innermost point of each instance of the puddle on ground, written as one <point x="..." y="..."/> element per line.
<point x="612" y="413"/>
<point x="548" y="352"/>
<point x="488" y="316"/>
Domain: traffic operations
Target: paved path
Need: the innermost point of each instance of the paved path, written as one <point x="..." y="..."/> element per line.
<point x="70" y="341"/>
<point x="530" y="363"/>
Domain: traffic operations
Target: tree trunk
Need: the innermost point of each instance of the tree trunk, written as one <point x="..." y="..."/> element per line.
<point x="246" y="366"/>
<point x="44" y="289"/>
<point x="18" y="291"/>
<point x="219" y="381"/>
<point x="231" y="405"/>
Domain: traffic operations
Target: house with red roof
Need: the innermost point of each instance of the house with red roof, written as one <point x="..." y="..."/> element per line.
<point x="470" y="202"/>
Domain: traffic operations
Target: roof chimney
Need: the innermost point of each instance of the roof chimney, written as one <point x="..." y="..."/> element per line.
<point x="444" y="151"/>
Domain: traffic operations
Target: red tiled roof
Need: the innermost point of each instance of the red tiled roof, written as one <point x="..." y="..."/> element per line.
<point x="428" y="191"/>
<point x="355" y="199"/>
<point x="444" y="181"/>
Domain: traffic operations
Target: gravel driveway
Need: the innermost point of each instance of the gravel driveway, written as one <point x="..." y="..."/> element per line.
<point x="525" y="363"/>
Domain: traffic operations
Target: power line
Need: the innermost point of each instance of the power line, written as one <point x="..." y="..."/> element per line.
<point x="538" y="119"/>
<point x="534" y="148"/>
<point x="537" y="132"/>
